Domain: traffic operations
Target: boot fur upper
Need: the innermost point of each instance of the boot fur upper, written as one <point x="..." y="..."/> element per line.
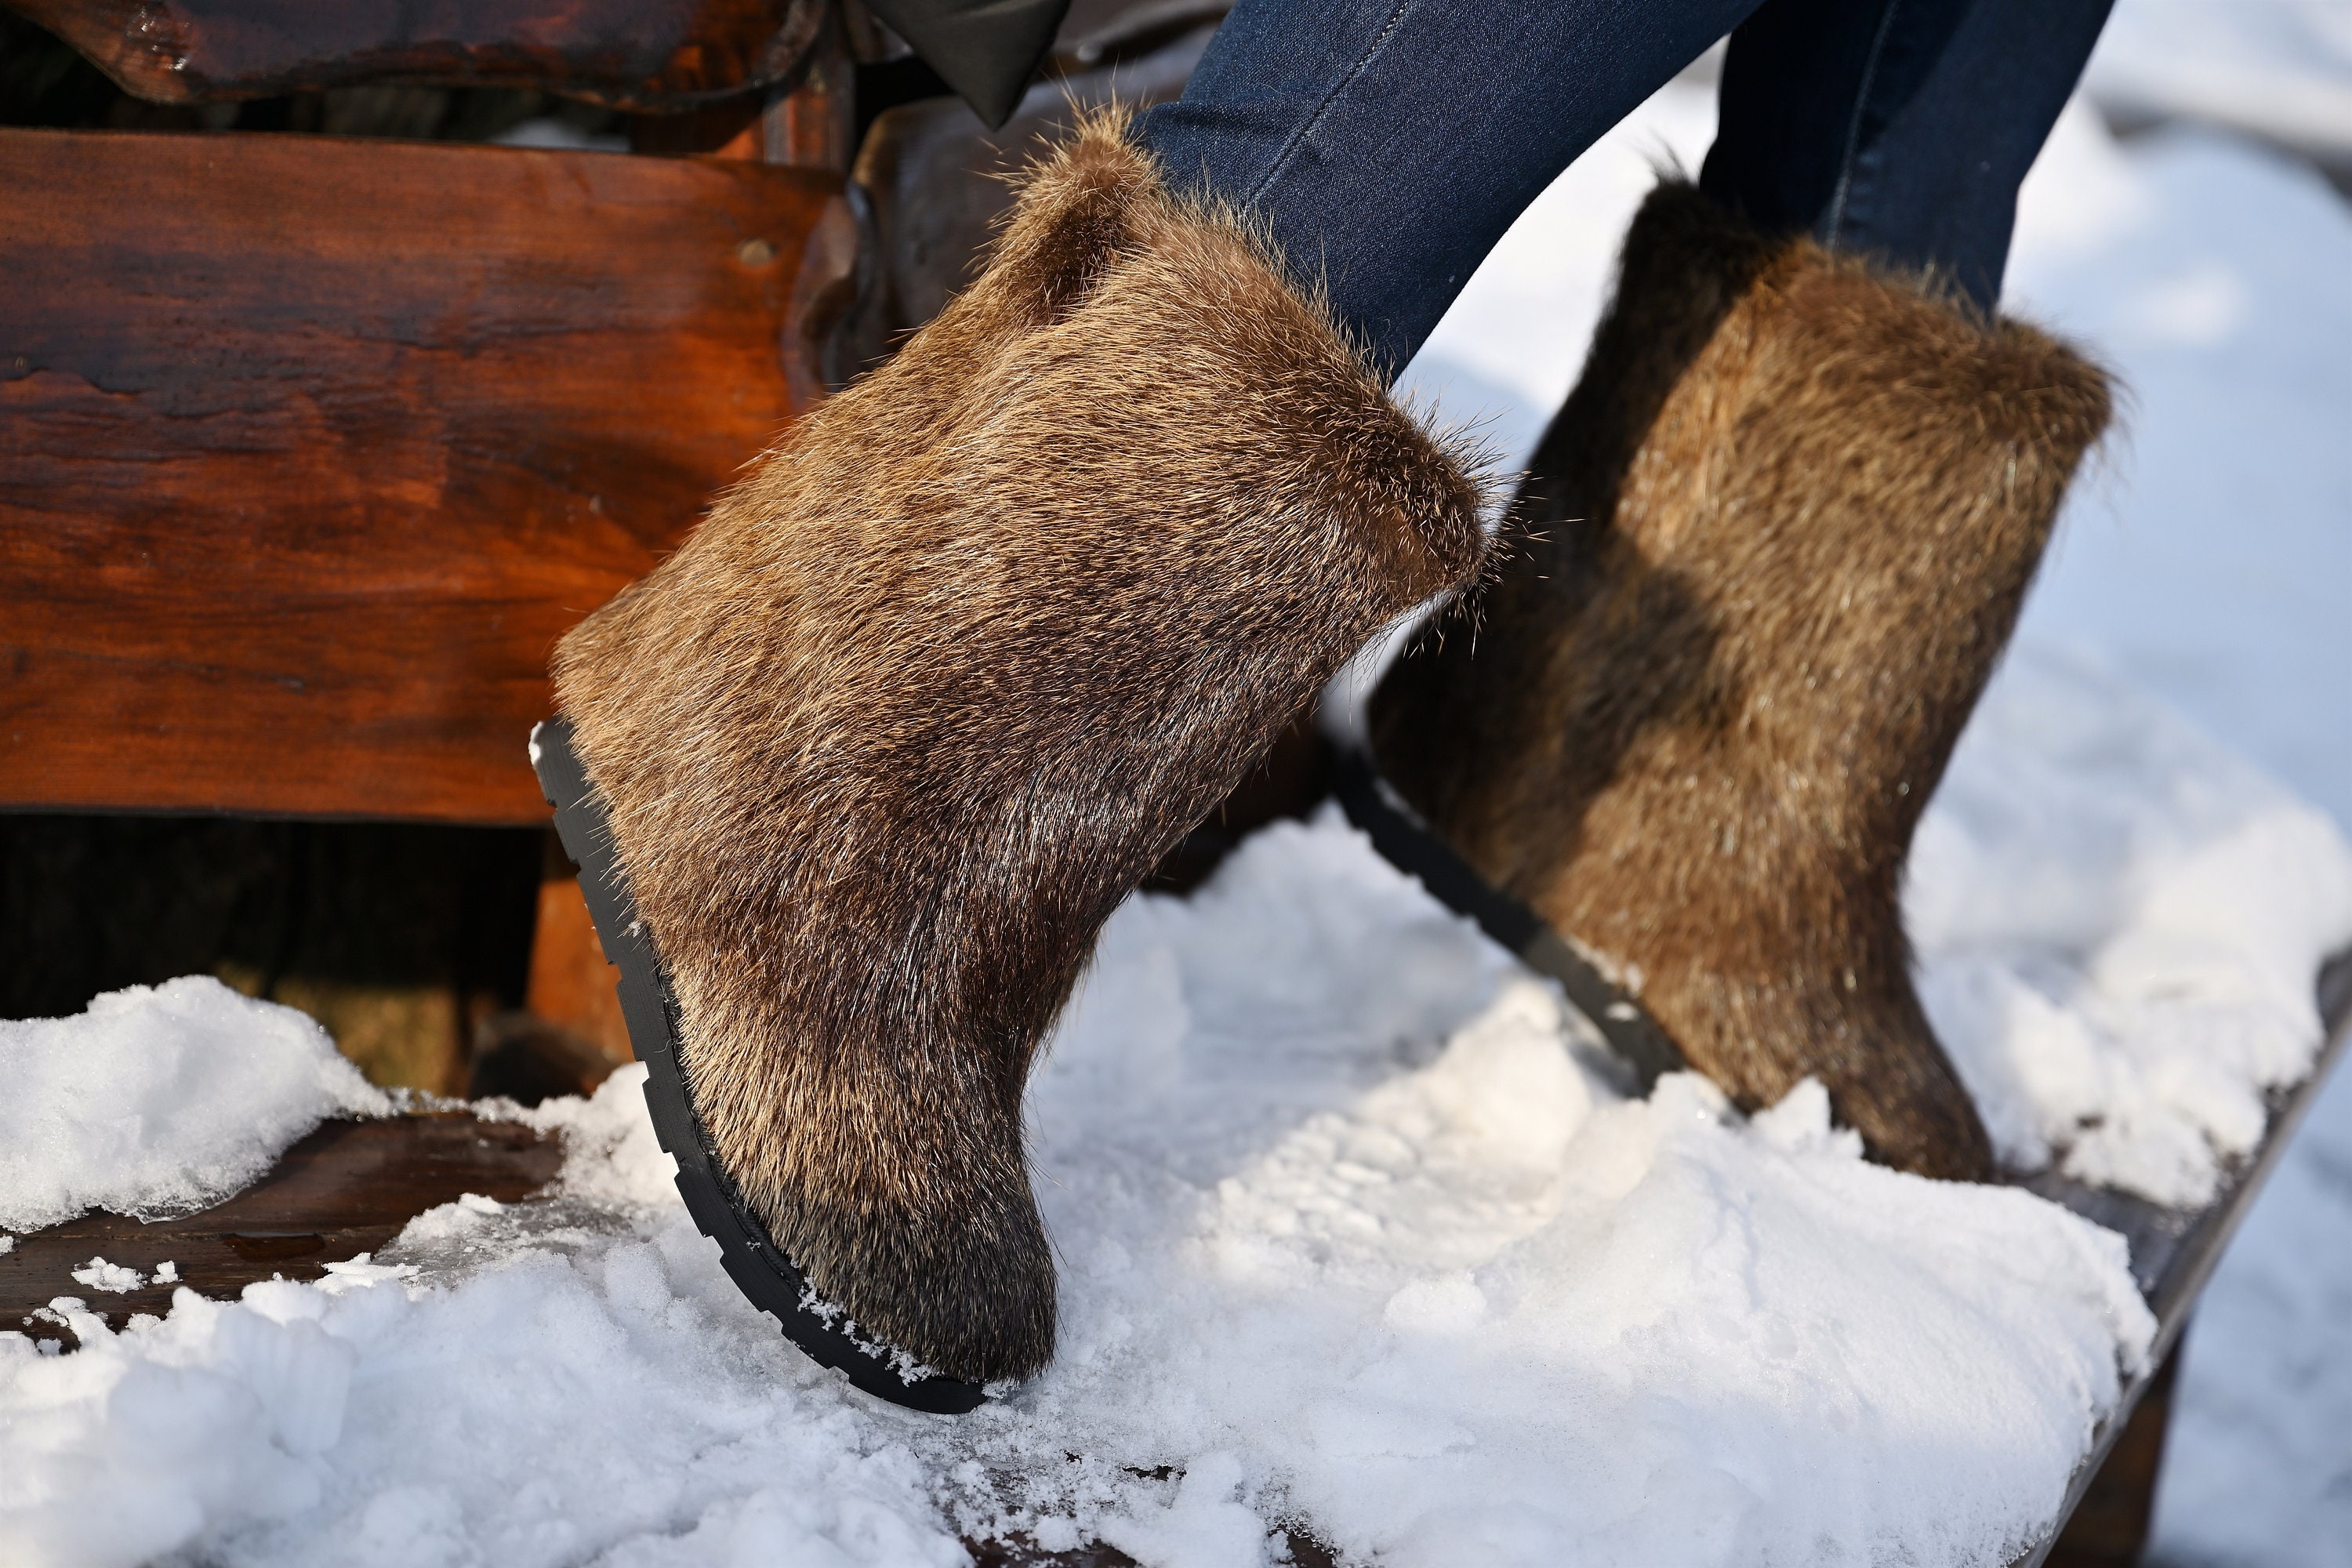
<point x="887" y="739"/>
<point x="1767" y="559"/>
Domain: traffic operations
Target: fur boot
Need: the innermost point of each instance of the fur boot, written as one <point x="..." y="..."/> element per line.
<point x="1773" y="544"/>
<point x="887" y="740"/>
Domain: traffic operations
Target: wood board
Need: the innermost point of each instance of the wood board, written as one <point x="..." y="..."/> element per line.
<point x="656" y="55"/>
<point x="311" y="447"/>
<point x="345" y="1189"/>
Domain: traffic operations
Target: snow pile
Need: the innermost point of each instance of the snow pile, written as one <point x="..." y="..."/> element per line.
<point x="2118" y="925"/>
<point x="1357" y="1232"/>
<point x="1484" y="1309"/>
<point x="160" y="1099"/>
<point x="491" y="1393"/>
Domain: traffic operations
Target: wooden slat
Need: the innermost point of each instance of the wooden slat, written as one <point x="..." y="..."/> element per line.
<point x="310" y="448"/>
<point x="347" y="1188"/>
<point x="646" y="55"/>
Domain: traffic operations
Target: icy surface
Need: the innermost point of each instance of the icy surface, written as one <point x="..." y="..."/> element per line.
<point x="160" y="1099"/>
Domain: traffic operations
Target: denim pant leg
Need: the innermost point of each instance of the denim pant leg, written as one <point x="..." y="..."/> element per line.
<point x="1387" y="145"/>
<point x="1900" y="129"/>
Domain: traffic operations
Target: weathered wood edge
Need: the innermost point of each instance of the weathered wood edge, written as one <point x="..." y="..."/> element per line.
<point x="164" y="51"/>
<point x="2200" y="1248"/>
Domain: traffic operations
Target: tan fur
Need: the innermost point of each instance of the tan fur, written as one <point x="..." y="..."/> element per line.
<point x="1775" y="540"/>
<point x="887" y="740"/>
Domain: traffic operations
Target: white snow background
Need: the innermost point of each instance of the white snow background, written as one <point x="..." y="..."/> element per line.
<point x="1354" y="1228"/>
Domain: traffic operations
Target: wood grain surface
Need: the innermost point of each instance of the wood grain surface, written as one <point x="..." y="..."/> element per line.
<point x="646" y="55"/>
<point x="309" y="448"/>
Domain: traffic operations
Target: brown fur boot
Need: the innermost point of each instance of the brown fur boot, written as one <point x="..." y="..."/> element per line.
<point x="885" y="743"/>
<point x="1776" y="540"/>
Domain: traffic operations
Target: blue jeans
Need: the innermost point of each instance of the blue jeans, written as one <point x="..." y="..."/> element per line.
<point x="1387" y="145"/>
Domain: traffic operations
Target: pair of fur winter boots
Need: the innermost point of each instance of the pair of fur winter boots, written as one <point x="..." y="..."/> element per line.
<point x="882" y="746"/>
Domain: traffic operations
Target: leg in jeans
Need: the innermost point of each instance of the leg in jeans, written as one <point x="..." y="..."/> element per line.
<point x="1899" y="129"/>
<point x="1387" y="145"/>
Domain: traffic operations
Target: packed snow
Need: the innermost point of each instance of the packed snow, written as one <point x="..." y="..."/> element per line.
<point x="160" y="1099"/>
<point x="1356" y="1229"/>
<point x="2118" y="925"/>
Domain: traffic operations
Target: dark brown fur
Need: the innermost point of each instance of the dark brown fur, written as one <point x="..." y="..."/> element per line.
<point x="887" y="740"/>
<point x="1774" y="544"/>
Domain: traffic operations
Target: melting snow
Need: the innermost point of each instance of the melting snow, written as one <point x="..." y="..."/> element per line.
<point x="99" y="1275"/>
<point x="161" y="1099"/>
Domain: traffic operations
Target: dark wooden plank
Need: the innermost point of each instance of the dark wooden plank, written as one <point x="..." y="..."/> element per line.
<point x="2109" y="1527"/>
<point x="310" y="448"/>
<point x="347" y="1188"/>
<point x="2174" y="1251"/>
<point x="646" y="55"/>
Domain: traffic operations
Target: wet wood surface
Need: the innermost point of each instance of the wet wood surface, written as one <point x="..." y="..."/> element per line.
<point x="346" y="1189"/>
<point x="645" y="55"/>
<point x="310" y="448"/>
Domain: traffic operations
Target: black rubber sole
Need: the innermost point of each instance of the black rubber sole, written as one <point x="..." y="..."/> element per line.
<point x="760" y="1270"/>
<point x="1406" y="842"/>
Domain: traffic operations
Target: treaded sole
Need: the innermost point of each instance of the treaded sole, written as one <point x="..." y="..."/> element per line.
<point x="1407" y="842"/>
<point x="759" y="1267"/>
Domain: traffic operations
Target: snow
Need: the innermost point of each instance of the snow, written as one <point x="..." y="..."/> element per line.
<point x="2210" y="557"/>
<point x="2277" y="69"/>
<point x="549" y="130"/>
<point x="2258" y="1466"/>
<point x="2118" y="924"/>
<point x="161" y="1099"/>
<point x="1356" y="1228"/>
<point x="97" y="1274"/>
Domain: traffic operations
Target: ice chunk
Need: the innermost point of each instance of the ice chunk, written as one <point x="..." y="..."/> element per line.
<point x="99" y="1275"/>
